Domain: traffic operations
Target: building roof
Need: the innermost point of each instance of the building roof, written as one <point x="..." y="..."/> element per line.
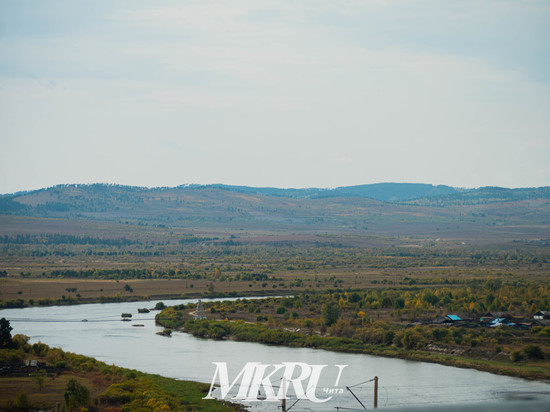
<point x="453" y="317"/>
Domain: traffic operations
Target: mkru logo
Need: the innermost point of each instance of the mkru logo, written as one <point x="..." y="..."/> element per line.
<point x="298" y="377"/>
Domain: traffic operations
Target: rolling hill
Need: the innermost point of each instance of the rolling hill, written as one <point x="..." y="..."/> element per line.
<point x="421" y="210"/>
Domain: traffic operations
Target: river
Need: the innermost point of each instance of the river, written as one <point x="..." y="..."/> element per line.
<point x="105" y="337"/>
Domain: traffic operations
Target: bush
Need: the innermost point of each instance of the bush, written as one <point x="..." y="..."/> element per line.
<point x="412" y="339"/>
<point x="54" y="355"/>
<point x="22" y="401"/>
<point x="389" y="337"/>
<point x="21" y="342"/>
<point x="533" y="352"/>
<point x="14" y="356"/>
<point x="542" y="331"/>
<point x="516" y="356"/>
<point x="130" y="375"/>
<point x="439" y="333"/>
<point x="40" y="349"/>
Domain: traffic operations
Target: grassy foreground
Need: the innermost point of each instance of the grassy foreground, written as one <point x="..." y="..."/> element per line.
<point x="106" y="387"/>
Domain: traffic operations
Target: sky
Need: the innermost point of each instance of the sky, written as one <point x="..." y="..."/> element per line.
<point x="283" y="93"/>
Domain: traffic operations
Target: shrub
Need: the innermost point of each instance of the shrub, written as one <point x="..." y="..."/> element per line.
<point x="21" y="342"/>
<point x="533" y="352"/>
<point x="543" y="332"/>
<point x="439" y="333"/>
<point x="54" y="355"/>
<point x="389" y="337"/>
<point x="14" y="356"/>
<point x="22" y="401"/>
<point x="130" y="375"/>
<point x="516" y="356"/>
<point x="412" y="339"/>
<point x="40" y="349"/>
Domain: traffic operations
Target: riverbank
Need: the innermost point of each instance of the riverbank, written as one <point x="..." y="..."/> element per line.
<point x="241" y="331"/>
<point x="301" y="321"/>
<point x="182" y="356"/>
<point x="39" y="377"/>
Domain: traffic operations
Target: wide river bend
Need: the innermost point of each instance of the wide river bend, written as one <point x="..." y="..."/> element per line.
<point x="105" y="337"/>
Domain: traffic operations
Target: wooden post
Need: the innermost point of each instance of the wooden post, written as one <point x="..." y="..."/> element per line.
<point x="283" y="401"/>
<point x="375" y="392"/>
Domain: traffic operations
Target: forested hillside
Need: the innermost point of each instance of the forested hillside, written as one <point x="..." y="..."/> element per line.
<point x="486" y="213"/>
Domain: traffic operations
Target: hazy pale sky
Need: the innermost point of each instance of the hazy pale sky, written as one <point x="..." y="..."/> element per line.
<point x="274" y="93"/>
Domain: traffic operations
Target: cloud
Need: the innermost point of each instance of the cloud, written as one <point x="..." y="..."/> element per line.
<point x="306" y="93"/>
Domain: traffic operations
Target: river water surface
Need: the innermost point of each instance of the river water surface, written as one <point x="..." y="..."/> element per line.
<point x="105" y="337"/>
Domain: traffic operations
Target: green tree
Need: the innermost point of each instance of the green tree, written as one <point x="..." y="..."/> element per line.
<point x="39" y="376"/>
<point x="331" y="313"/>
<point x="76" y="394"/>
<point x="5" y="333"/>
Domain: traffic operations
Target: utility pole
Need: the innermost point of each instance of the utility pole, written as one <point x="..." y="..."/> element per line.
<point x="356" y="398"/>
<point x="283" y="401"/>
<point x="375" y="392"/>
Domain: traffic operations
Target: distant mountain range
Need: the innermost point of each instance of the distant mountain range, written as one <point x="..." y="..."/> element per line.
<point x="387" y="192"/>
<point x="412" y="193"/>
<point x="394" y="208"/>
<point x="394" y="192"/>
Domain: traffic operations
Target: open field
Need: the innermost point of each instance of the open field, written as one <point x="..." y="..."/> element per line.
<point x="51" y="393"/>
<point x="13" y="288"/>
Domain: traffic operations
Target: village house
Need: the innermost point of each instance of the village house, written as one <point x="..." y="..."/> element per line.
<point x="542" y="318"/>
<point x="542" y="314"/>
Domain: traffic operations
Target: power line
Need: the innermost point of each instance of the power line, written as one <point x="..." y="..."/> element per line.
<point x="357" y="384"/>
